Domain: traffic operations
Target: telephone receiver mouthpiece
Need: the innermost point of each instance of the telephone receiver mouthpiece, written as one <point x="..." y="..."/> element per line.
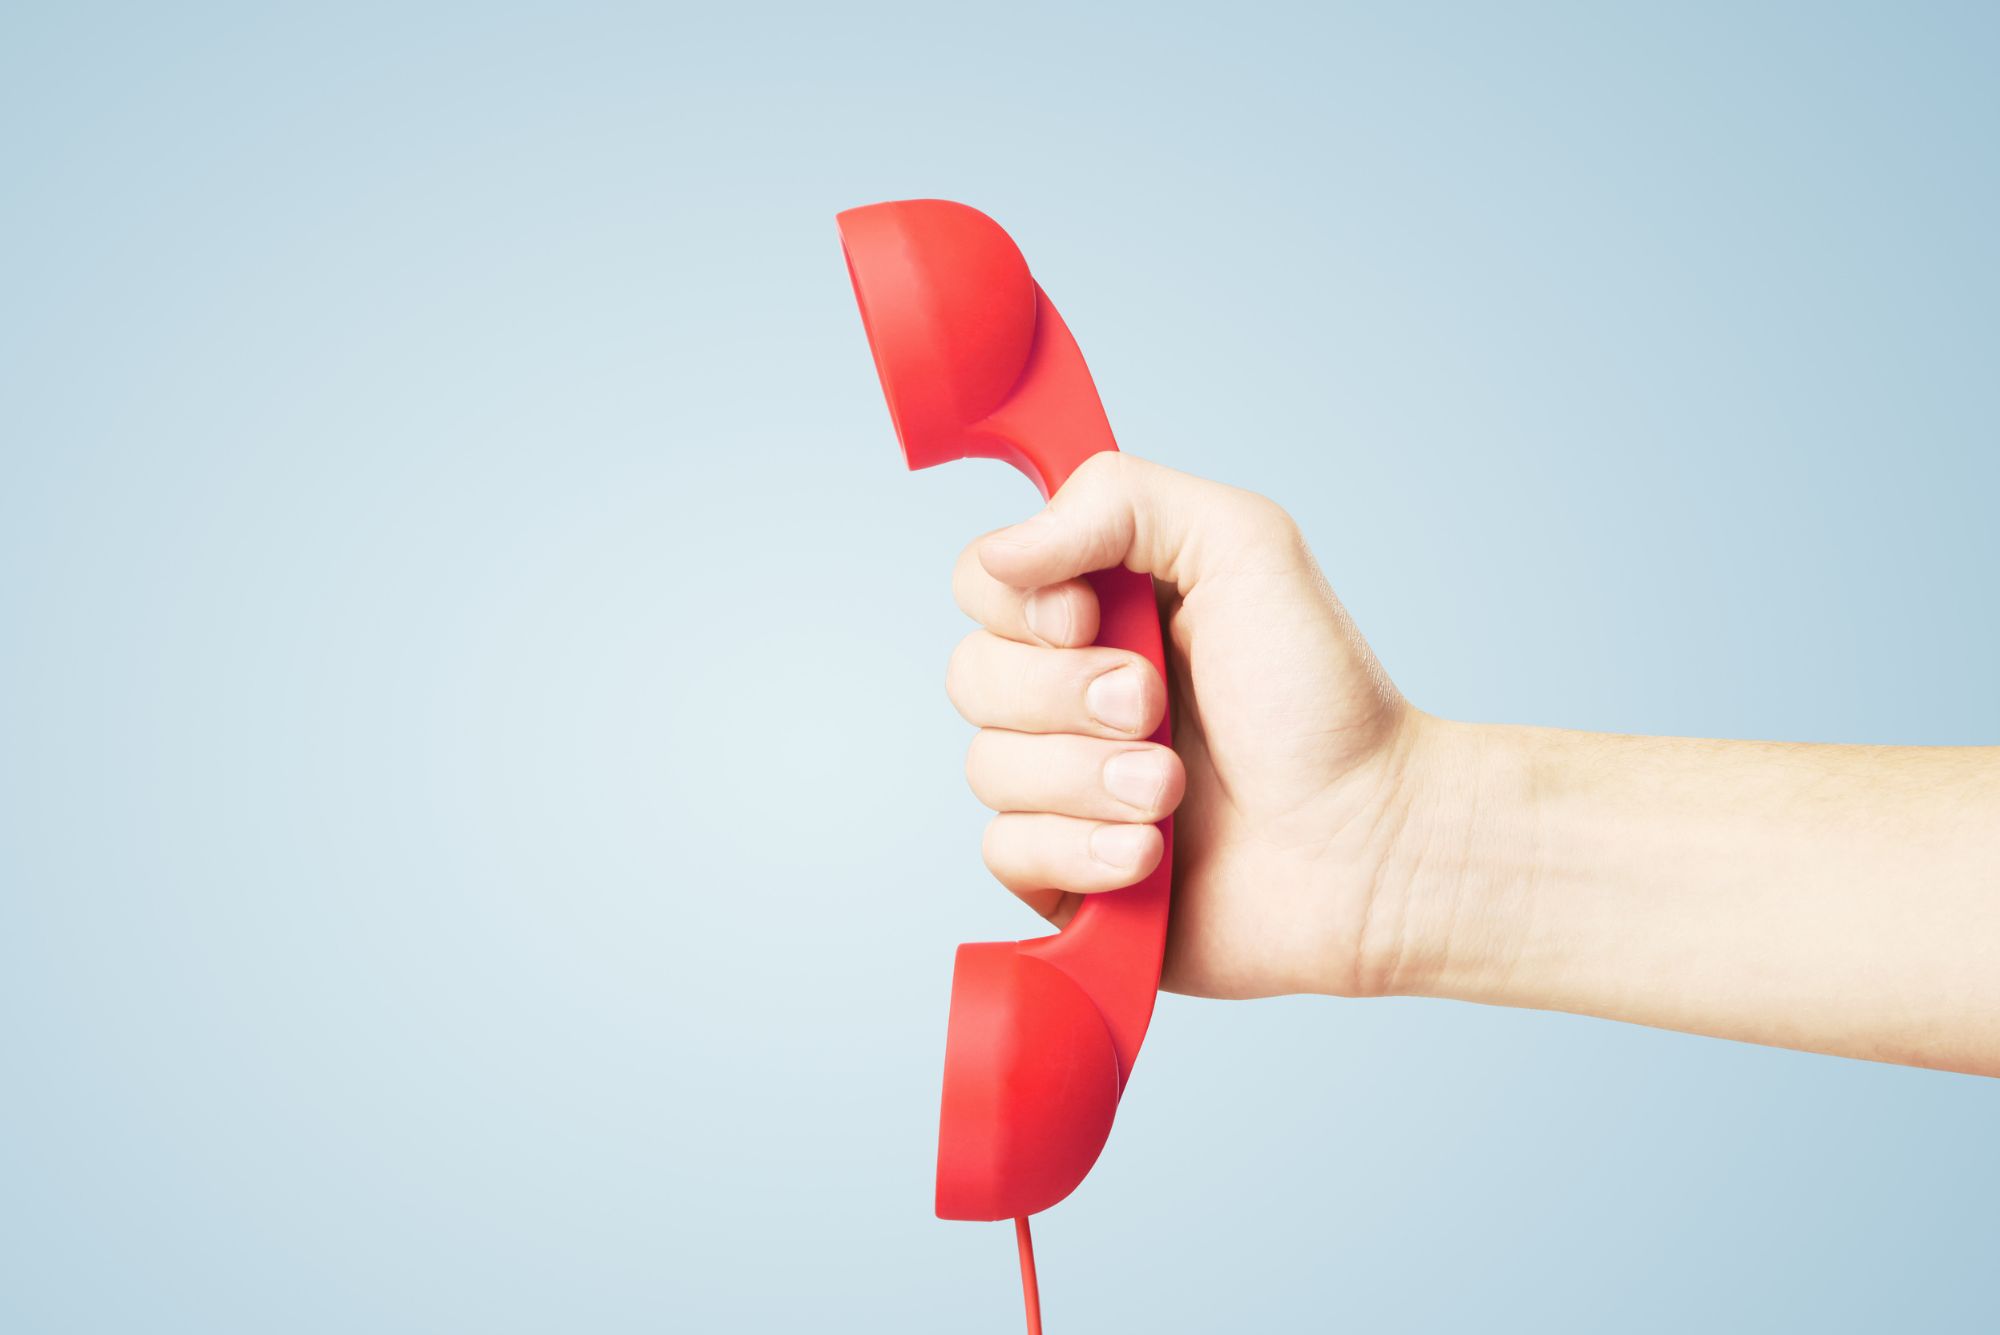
<point x="975" y="362"/>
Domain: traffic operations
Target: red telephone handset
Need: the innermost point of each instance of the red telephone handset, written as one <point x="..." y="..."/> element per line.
<point x="975" y="361"/>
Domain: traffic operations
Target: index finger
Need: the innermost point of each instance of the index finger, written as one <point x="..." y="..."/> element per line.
<point x="1061" y="616"/>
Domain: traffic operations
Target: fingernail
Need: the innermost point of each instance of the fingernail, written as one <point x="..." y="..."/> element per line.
<point x="1028" y="532"/>
<point x="1116" y="700"/>
<point x="1048" y="616"/>
<point x="1120" y="845"/>
<point x="1136" y="778"/>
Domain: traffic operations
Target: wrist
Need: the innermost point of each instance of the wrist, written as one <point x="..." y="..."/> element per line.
<point x="1451" y="905"/>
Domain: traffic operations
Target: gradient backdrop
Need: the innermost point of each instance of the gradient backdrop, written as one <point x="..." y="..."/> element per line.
<point x="481" y="832"/>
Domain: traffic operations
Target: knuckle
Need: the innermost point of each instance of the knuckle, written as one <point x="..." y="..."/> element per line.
<point x="983" y="765"/>
<point x="1262" y="521"/>
<point x="976" y="592"/>
<point x="1265" y="511"/>
<point x="974" y="770"/>
<point x="990" y="846"/>
<point x="1101" y="470"/>
<point x="958" y="669"/>
<point x="964" y="574"/>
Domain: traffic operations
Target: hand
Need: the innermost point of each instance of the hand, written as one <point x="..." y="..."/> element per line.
<point x="1330" y="838"/>
<point x="1291" y="747"/>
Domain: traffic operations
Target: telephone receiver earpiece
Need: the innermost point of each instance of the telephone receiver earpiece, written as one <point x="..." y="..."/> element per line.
<point x="975" y="362"/>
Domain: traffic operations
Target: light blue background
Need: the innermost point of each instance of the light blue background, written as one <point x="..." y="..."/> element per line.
<point x="481" y="834"/>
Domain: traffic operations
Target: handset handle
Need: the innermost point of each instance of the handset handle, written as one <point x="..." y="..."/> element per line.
<point x="1047" y="427"/>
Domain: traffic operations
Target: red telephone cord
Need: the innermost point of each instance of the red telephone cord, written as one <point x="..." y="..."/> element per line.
<point x="1031" y="1293"/>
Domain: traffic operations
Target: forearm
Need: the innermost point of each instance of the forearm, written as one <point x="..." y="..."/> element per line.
<point x="1839" y="899"/>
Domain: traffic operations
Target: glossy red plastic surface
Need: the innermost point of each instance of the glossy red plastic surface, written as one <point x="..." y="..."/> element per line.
<point x="975" y="361"/>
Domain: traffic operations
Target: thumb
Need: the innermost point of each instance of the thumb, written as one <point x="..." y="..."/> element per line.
<point x="1119" y="510"/>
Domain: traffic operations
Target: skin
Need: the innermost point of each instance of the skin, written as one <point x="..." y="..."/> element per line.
<point x="1332" y="838"/>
